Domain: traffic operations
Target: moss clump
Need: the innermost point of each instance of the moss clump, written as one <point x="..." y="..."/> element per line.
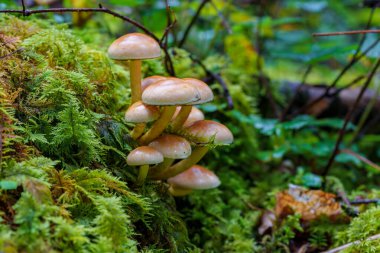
<point x="64" y="182"/>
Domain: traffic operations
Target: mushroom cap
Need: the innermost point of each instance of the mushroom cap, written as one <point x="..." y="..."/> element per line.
<point x="149" y="80"/>
<point x="205" y="131"/>
<point x="171" y="91"/>
<point x="196" y="177"/>
<point x="140" y="113"/>
<point x="172" y="146"/>
<point x="144" y="155"/>
<point x="194" y="115"/>
<point x="134" y="46"/>
<point x="204" y="90"/>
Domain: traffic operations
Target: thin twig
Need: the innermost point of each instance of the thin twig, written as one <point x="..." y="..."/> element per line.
<point x="364" y="201"/>
<point x="347" y="120"/>
<point x="170" y="23"/>
<point x="100" y="9"/>
<point x="345" y="33"/>
<point x="335" y="82"/>
<point x="371" y="238"/>
<point x="361" y="158"/>
<point x="219" y="79"/>
<point x="23" y="7"/>
<point x="192" y="22"/>
<point x="304" y="77"/>
<point x="27" y="12"/>
<point x="355" y="58"/>
<point x="12" y="53"/>
<point x="164" y="39"/>
<point x="222" y="17"/>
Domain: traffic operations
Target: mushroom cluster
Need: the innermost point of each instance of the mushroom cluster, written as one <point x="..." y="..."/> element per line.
<point x="172" y="134"/>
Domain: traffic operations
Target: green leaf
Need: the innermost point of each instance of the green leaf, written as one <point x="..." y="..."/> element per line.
<point x="8" y="185"/>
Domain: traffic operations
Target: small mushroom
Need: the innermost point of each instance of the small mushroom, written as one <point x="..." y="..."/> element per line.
<point x="194" y="115"/>
<point x="204" y="133"/>
<point x="140" y="114"/>
<point x="169" y="93"/>
<point x="150" y="80"/>
<point x="134" y="47"/>
<point x="206" y="96"/>
<point x="144" y="156"/>
<point x="171" y="147"/>
<point x="194" y="178"/>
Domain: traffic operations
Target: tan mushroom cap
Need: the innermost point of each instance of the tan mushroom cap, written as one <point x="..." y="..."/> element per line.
<point x="196" y="177"/>
<point x="144" y="155"/>
<point x="141" y="113"/>
<point x="204" y="90"/>
<point x="134" y="46"/>
<point x="205" y="131"/>
<point x="172" y="146"/>
<point x="150" y="80"/>
<point x="195" y="115"/>
<point x="171" y="91"/>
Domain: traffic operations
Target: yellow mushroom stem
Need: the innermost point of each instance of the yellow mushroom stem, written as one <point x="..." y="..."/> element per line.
<point x="156" y="170"/>
<point x="135" y="73"/>
<point x="159" y="125"/>
<point x="138" y="130"/>
<point x="181" y="117"/>
<point x="197" y="154"/>
<point x="143" y="172"/>
<point x="177" y="191"/>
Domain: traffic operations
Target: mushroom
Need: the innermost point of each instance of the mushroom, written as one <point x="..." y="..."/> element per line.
<point x="169" y="93"/>
<point x="171" y="147"/>
<point x="203" y="133"/>
<point x="194" y="178"/>
<point x="140" y="113"/>
<point x="134" y="47"/>
<point x="144" y="156"/>
<point x="206" y="96"/>
<point x="150" y="80"/>
<point x="194" y="115"/>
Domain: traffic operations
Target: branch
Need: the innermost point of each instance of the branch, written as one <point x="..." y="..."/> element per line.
<point x="353" y="61"/>
<point x="12" y="53"/>
<point x="164" y="40"/>
<point x="192" y="22"/>
<point x="347" y="119"/>
<point x="361" y="158"/>
<point x="355" y="58"/>
<point x="222" y="17"/>
<point x="345" y="33"/>
<point x="170" y="23"/>
<point x="371" y="238"/>
<point x="364" y="201"/>
<point x="27" y="12"/>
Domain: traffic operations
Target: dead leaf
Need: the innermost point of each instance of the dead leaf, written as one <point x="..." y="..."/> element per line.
<point x="311" y="204"/>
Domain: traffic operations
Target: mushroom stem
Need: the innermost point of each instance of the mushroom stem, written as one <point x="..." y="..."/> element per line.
<point x="156" y="170"/>
<point x="159" y="126"/>
<point x="197" y="154"/>
<point x="181" y="117"/>
<point x="135" y="73"/>
<point x="179" y="191"/>
<point x="138" y="130"/>
<point x="143" y="172"/>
